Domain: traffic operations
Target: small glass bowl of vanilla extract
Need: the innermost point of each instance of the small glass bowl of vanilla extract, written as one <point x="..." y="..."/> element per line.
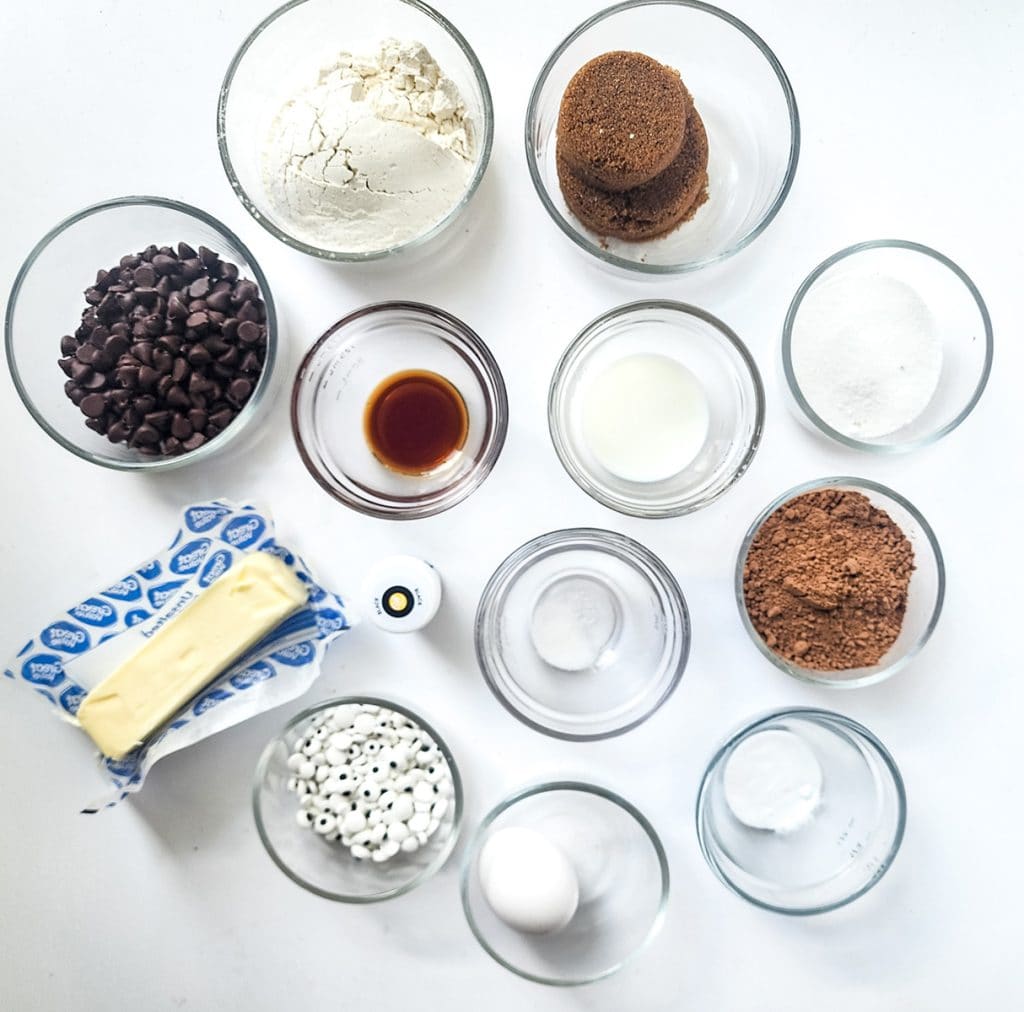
<point x="399" y="410"/>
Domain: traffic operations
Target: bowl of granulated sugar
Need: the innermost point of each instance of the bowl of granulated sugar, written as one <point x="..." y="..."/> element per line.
<point x="887" y="346"/>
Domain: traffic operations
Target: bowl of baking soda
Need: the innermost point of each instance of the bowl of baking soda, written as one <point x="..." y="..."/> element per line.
<point x="801" y="811"/>
<point x="350" y="130"/>
<point x="563" y="883"/>
<point x="887" y="346"/>
<point x="656" y="409"/>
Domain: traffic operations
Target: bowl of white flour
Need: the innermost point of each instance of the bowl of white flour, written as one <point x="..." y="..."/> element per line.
<point x="351" y="131"/>
<point x="887" y="346"/>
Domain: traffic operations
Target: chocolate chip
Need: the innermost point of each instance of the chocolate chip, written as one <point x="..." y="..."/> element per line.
<point x="79" y="370"/>
<point x="148" y="377"/>
<point x="177" y="307"/>
<point x="153" y="362"/>
<point x="200" y="287"/>
<point x="165" y="264"/>
<point x="116" y="346"/>
<point x="146" y="435"/>
<point x="144" y="277"/>
<point x="248" y="311"/>
<point x="222" y="418"/>
<point x="239" y="390"/>
<point x="248" y="332"/>
<point x="219" y="301"/>
<point x="191" y="270"/>
<point x="128" y="376"/>
<point x="209" y="258"/>
<point x="177" y="398"/>
<point x="93" y="405"/>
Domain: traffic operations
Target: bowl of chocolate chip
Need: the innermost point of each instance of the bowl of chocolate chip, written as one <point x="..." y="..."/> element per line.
<point x="662" y="136"/>
<point x="141" y="333"/>
<point x="840" y="582"/>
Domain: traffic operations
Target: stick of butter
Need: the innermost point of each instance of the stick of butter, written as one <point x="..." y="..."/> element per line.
<point x="236" y="611"/>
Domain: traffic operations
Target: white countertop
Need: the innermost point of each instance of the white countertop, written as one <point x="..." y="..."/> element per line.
<point x="911" y="129"/>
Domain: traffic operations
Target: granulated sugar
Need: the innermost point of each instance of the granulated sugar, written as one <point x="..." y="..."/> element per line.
<point x="866" y="354"/>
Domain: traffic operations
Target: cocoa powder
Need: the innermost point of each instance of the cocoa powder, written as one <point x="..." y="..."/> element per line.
<point x="825" y="580"/>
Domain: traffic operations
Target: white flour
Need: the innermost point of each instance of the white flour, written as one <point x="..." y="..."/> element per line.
<point x="866" y="353"/>
<point x="373" y="154"/>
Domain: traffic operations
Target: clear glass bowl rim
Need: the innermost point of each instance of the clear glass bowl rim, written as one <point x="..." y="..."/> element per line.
<point x="829" y="716"/>
<point x="243" y="417"/>
<point x="474" y="478"/>
<point x="694" y="265"/>
<point x="476" y="841"/>
<point x="787" y="341"/>
<point x="580" y="344"/>
<point x="443" y="853"/>
<point x="808" y="674"/>
<point x="487" y="142"/>
<point x="623" y="547"/>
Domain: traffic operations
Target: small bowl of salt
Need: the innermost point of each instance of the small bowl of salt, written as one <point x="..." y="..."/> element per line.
<point x="887" y="346"/>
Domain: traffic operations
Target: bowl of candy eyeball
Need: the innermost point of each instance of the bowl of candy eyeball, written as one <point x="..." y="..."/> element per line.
<point x="358" y="799"/>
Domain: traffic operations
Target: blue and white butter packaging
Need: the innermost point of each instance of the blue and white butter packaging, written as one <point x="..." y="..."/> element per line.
<point x="79" y="649"/>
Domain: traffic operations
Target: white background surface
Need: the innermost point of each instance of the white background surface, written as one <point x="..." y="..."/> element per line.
<point x="911" y="117"/>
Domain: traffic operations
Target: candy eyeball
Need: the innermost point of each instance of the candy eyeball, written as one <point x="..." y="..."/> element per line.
<point x="368" y="778"/>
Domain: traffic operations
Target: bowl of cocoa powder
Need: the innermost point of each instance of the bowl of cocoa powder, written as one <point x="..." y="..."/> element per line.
<point x="840" y="582"/>
<point x="662" y="136"/>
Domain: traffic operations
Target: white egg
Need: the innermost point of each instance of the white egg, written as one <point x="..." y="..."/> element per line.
<point x="528" y="881"/>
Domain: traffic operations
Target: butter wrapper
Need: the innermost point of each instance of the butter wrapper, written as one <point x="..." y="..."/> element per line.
<point x="77" y="650"/>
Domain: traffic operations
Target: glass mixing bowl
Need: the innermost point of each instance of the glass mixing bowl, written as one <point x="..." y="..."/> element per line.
<point x="845" y="846"/>
<point x="725" y="371"/>
<point x="924" y="597"/>
<point x="282" y="56"/>
<point x="613" y="597"/>
<point x="621" y="870"/>
<point x="327" y="868"/>
<point x="46" y="302"/>
<point x="960" y="317"/>
<point x="340" y="373"/>
<point x="744" y="99"/>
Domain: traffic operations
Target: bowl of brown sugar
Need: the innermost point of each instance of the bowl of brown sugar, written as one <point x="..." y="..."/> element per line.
<point x="840" y="581"/>
<point x="662" y="136"/>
